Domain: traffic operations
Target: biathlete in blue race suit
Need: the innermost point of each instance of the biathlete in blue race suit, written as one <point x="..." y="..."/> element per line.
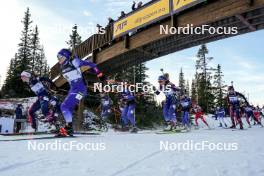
<point x="71" y="71"/>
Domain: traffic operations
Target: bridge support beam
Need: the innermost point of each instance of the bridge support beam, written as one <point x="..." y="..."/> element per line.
<point x="126" y="41"/>
<point x="246" y="22"/>
<point x="152" y="54"/>
<point x="174" y="21"/>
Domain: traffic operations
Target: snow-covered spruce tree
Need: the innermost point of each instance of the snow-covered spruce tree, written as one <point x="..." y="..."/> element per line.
<point x="75" y="38"/>
<point x="204" y="85"/>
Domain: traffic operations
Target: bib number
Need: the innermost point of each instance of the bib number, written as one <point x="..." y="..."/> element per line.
<point x="79" y="96"/>
<point x="46" y="98"/>
<point x="37" y="87"/>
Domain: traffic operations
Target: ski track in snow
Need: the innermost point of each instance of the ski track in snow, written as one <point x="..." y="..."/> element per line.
<point x="139" y="155"/>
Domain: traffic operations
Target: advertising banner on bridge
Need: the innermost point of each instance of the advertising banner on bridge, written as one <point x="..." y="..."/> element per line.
<point x="142" y="17"/>
<point x="180" y="5"/>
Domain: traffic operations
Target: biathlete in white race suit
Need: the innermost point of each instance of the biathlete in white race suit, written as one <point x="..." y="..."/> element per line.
<point x="198" y="112"/>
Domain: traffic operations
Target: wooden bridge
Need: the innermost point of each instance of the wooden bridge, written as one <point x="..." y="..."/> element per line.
<point x="125" y="44"/>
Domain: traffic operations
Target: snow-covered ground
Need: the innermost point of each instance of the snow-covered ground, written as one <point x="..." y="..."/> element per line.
<point x="139" y="155"/>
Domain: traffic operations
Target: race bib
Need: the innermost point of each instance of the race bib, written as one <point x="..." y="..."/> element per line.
<point x="53" y="103"/>
<point x="79" y="96"/>
<point x="185" y="104"/>
<point x="37" y="87"/>
<point x="233" y="99"/>
<point x="72" y="75"/>
<point x="105" y="103"/>
<point x="46" y="98"/>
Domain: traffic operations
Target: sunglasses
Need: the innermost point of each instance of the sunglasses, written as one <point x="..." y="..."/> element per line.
<point x="61" y="58"/>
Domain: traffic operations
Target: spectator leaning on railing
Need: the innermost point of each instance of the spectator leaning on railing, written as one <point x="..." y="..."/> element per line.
<point x="123" y="14"/>
<point x="138" y="5"/>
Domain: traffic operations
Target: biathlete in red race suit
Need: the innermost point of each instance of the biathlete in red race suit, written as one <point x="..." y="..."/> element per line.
<point x="198" y="112"/>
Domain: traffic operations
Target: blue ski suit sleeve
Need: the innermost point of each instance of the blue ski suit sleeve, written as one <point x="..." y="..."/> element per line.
<point x="79" y="63"/>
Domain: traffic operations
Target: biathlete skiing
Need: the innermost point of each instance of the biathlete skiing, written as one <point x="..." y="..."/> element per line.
<point x="169" y="107"/>
<point x="128" y="111"/>
<point x="198" y="112"/>
<point x="186" y="105"/>
<point x="234" y="106"/>
<point x="71" y="71"/>
<point x="41" y="87"/>
<point x="220" y="114"/>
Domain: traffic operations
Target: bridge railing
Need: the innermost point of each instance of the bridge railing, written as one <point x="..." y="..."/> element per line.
<point x="148" y="14"/>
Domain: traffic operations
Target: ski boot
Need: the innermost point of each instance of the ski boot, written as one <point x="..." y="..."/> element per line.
<point x="225" y="125"/>
<point x="168" y="128"/>
<point x="196" y="127"/>
<point x="134" y="130"/>
<point x="260" y="124"/>
<point x="65" y="131"/>
<point x="233" y="127"/>
<point x="220" y="125"/>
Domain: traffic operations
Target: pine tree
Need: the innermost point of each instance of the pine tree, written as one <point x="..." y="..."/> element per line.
<point x="75" y="38"/>
<point x="44" y="68"/>
<point x="187" y="88"/>
<point x="194" y="91"/>
<point x="35" y="48"/>
<point x="182" y="82"/>
<point x="14" y="86"/>
<point x="219" y="87"/>
<point x="27" y="58"/>
<point x="203" y="79"/>
<point x="9" y="84"/>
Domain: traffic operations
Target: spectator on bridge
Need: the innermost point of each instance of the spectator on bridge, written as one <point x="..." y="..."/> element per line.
<point x="139" y="5"/>
<point x="110" y="22"/>
<point x="123" y="14"/>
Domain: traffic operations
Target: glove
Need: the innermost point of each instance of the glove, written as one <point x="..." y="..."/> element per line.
<point x="101" y="77"/>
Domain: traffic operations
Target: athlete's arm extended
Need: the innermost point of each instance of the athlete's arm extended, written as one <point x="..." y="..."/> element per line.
<point x="242" y="96"/>
<point x="80" y="63"/>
